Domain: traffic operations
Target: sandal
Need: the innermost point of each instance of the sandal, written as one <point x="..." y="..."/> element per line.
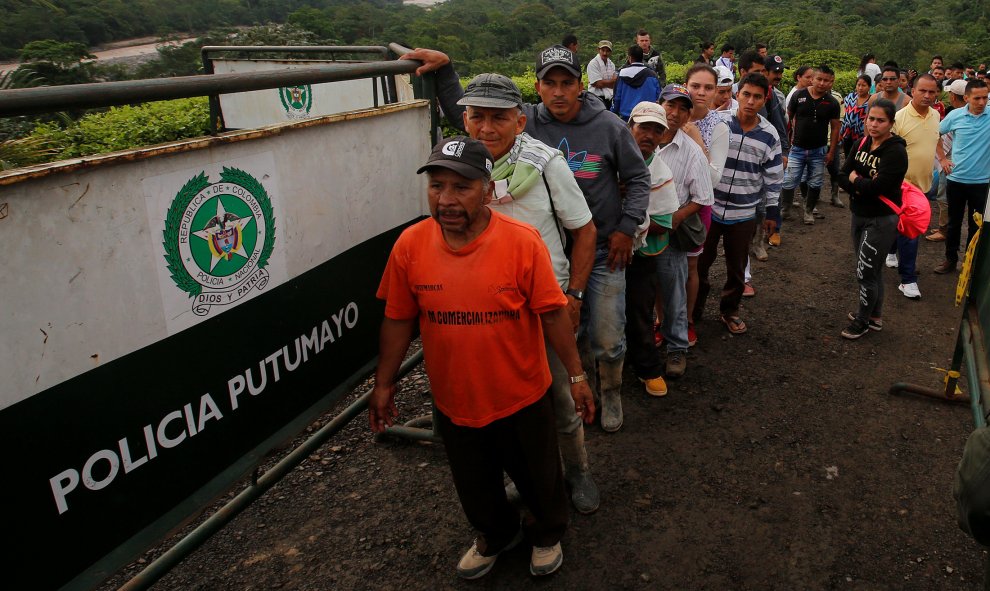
<point x="734" y="324"/>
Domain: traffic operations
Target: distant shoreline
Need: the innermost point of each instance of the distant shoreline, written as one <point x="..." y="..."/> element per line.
<point x="126" y="49"/>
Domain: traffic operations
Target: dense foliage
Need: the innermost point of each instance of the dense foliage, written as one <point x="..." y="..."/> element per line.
<point x="504" y="34"/>
<point x="126" y="127"/>
<point x="53" y="37"/>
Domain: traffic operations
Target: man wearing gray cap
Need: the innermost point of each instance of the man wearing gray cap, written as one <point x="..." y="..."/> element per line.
<point x="534" y="184"/>
<point x="474" y="280"/>
<point x="601" y="153"/>
<point x="602" y="74"/>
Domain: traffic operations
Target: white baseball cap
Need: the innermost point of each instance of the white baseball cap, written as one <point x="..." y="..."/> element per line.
<point x="649" y="112"/>
<point x="724" y="76"/>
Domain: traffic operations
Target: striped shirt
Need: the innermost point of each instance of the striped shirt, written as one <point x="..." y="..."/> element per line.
<point x="753" y="173"/>
<point x="692" y="177"/>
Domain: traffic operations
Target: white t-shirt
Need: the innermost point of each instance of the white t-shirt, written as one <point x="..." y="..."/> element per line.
<point x="663" y="197"/>
<point x="871" y="70"/>
<point x="598" y="70"/>
<point x="727" y="64"/>
<point x="534" y="209"/>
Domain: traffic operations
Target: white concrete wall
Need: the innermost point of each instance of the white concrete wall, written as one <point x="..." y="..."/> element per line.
<point x="245" y="110"/>
<point x="82" y="279"/>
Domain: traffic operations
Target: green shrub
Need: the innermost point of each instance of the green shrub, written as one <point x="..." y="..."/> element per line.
<point x="127" y="127"/>
<point x="675" y="72"/>
<point x="845" y="81"/>
<point x="837" y="60"/>
<point x="527" y="85"/>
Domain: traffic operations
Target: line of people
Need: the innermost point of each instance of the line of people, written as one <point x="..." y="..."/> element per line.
<point x="621" y="218"/>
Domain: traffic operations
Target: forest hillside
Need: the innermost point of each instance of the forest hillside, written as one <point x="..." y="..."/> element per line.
<point x="504" y="34"/>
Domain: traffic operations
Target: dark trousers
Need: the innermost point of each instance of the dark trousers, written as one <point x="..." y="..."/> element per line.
<point x="872" y="237"/>
<point x="736" y="239"/>
<point x="524" y="446"/>
<point x="960" y="197"/>
<point x="832" y="168"/>
<point x="642" y="283"/>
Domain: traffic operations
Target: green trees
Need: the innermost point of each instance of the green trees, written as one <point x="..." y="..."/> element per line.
<point x="480" y="35"/>
<point x="506" y="30"/>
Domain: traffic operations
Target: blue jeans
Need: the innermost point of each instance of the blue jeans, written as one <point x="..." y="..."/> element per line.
<point x="672" y="267"/>
<point x="602" y="334"/>
<point x="907" y="258"/>
<point x="802" y="162"/>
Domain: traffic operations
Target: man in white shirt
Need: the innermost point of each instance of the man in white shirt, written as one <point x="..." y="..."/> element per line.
<point x="550" y="204"/>
<point x="728" y="59"/>
<point x="602" y="74"/>
<point x="693" y="181"/>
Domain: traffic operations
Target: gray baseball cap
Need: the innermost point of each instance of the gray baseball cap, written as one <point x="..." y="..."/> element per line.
<point x="491" y="90"/>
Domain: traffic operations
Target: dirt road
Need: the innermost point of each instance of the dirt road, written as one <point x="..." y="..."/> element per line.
<point x="778" y="462"/>
<point x="121" y="50"/>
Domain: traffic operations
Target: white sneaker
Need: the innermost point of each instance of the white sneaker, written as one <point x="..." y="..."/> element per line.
<point x="910" y="290"/>
<point x="474" y="566"/>
<point x="545" y="561"/>
<point x="891" y="261"/>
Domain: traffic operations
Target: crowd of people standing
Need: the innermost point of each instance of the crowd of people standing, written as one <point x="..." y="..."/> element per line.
<point x="569" y="235"/>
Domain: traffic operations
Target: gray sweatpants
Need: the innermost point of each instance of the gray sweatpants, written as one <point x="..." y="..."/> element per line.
<point x="872" y="237"/>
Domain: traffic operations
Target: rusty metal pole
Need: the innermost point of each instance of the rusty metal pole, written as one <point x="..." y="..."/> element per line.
<point x="196" y="538"/>
<point x="46" y="99"/>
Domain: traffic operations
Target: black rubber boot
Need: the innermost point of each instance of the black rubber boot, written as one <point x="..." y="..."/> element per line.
<point x="836" y="202"/>
<point x="809" y="205"/>
<point x="786" y="198"/>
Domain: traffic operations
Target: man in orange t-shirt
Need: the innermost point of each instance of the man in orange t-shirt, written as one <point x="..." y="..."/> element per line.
<point x="483" y="290"/>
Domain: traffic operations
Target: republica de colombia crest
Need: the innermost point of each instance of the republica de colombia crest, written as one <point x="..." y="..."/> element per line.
<point x="218" y="238"/>
<point x="296" y="100"/>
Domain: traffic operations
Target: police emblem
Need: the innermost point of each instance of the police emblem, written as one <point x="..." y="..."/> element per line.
<point x="218" y="238"/>
<point x="297" y="100"/>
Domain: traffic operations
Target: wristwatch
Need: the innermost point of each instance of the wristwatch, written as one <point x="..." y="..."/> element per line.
<point x="577" y="294"/>
<point x="581" y="378"/>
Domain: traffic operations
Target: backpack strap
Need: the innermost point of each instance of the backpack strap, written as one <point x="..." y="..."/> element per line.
<point x="891" y="205"/>
<point x="553" y="210"/>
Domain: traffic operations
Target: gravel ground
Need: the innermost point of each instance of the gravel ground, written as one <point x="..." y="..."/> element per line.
<point x="778" y="462"/>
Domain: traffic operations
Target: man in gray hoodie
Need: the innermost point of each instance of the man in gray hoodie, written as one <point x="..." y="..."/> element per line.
<point x="601" y="153"/>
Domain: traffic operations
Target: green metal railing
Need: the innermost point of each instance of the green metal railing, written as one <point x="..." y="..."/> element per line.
<point x="259" y="485"/>
<point x="971" y="343"/>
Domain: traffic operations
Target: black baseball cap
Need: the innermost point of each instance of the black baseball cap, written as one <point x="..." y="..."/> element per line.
<point x="465" y="156"/>
<point x="774" y="63"/>
<point x="491" y="90"/>
<point x="557" y="56"/>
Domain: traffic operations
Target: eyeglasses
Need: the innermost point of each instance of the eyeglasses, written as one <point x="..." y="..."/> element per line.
<point x="888" y="79"/>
